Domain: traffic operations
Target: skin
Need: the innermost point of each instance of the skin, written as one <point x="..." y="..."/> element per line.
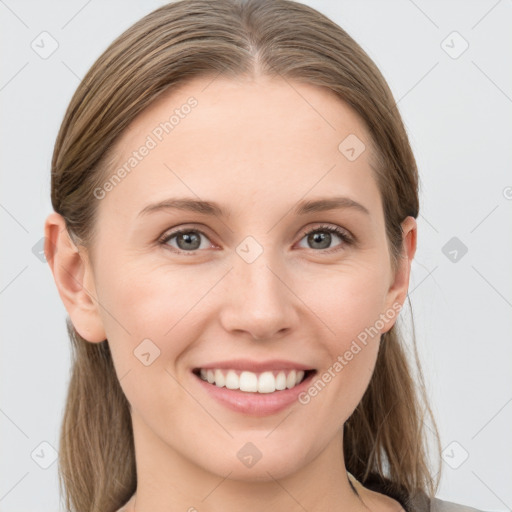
<point x="295" y="301"/>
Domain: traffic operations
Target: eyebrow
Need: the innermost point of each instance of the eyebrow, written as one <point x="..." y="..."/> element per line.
<point x="212" y="208"/>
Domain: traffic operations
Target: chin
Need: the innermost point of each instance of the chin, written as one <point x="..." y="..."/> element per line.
<point x="248" y="463"/>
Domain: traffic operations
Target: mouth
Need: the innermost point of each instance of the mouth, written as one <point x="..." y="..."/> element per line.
<point x="269" y="381"/>
<point x="254" y="388"/>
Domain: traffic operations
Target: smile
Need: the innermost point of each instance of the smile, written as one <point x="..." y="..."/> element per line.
<point x="252" y="382"/>
<point x="255" y="388"/>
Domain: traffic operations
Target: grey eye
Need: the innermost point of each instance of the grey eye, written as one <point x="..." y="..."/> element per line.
<point x="186" y="240"/>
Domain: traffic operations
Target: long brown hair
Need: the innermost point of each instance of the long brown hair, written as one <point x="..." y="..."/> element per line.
<point x="385" y="436"/>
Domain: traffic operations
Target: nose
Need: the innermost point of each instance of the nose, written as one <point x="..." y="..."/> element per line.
<point x="258" y="300"/>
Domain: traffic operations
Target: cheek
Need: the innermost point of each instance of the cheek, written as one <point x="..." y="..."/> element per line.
<point x="348" y="305"/>
<point x="153" y="317"/>
<point x="148" y="302"/>
<point x="347" y="301"/>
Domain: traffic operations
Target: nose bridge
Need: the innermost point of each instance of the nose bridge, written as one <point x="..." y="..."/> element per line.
<point x="258" y="301"/>
<point x="258" y="281"/>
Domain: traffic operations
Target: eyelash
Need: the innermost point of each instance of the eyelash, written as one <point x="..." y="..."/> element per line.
<point x="344" y="236"/>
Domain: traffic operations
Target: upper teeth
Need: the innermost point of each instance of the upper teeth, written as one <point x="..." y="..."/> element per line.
<point x="265" y="382"/>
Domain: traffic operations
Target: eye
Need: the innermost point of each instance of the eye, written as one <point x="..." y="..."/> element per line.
<point x="322" y="236"/>
<point x="187" y="240"/>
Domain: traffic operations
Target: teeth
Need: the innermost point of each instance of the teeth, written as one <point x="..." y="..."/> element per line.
<point x="266" y="382"/>
<point x="232" y="381"/>
<point x="248" y="382"/>
<point x="290" y="380"/>
<point x="281" y="381"/>
<point x="219" y="378"/>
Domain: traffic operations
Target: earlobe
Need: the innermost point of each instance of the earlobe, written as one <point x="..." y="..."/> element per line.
<point x="397" y="292"/>
<point x="71" y="271"/>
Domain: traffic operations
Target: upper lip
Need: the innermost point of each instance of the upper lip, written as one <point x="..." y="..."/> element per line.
<point x="255" y="366"/>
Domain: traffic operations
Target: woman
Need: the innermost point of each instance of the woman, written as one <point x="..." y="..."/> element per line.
<point x="261" y="366"/>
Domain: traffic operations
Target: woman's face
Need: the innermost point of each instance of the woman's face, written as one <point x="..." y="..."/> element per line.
<point x="244" y="287"/>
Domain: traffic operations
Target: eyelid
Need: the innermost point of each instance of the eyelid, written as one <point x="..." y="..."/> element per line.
<point x="333" y="228"/>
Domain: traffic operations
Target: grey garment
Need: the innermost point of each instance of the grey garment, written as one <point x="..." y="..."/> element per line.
<point x="438" y="505"/>
<point x="422" y="503"/>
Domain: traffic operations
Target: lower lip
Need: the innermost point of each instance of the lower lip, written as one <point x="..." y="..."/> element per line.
<point x="255" y="404"/>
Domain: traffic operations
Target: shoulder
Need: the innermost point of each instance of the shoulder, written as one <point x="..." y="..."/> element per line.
<point x="439" y="505"/>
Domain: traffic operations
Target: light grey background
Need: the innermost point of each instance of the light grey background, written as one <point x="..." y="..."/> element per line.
<point x="458" y="116"/>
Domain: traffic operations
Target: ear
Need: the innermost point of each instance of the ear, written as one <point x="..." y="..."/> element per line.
<point x="397" y="292"/>
<point x="73" y="276"/>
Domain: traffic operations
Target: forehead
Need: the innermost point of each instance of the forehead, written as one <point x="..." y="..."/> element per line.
<point x="253" y="110"/>
<point x="242" y="140"/>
